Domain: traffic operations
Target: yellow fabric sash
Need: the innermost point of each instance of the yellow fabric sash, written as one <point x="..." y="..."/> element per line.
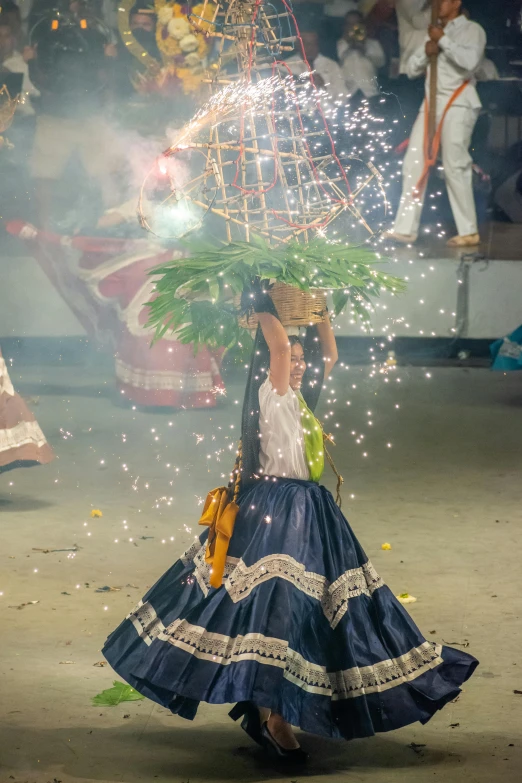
<point x="219" y="514"/>
<point x="313" y="439"/>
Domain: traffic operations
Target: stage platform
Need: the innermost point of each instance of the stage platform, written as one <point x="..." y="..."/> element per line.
<point x="473" y="295"/>
<point x="451" y="295"/>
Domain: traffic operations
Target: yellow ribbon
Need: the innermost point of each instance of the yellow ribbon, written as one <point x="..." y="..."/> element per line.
<point x="219" y="514"/>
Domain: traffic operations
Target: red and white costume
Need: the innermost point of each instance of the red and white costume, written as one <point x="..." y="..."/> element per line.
<point x="22" y="442"/>
<point x="105" y="283"/>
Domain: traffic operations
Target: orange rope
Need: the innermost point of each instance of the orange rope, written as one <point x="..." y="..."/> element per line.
<point x="430" y="155"/>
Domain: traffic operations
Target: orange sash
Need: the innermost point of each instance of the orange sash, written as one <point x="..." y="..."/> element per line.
<point x="430" y="155"/>
<point x="219" y="514"/>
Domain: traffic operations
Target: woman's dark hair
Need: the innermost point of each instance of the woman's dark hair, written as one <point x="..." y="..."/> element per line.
<point x="259" y="366"/>
<point x="296" y="339"/>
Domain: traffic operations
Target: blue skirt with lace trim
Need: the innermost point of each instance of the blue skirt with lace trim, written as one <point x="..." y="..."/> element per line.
<point x="302" y="625"/>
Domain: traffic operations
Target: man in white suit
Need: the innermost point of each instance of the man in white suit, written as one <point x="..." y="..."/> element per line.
<point x="459" y="45"/>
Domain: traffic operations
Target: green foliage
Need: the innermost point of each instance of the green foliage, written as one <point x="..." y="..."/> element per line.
<point x="194" y="296"/>
<point x="115" y="695"/>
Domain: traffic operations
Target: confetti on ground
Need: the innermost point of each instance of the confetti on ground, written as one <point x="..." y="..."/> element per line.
<point x="100" y="663"/>
<point x="465" y="643"/>
<point x="115" y="695"/>
<point x="96" y="513"/>
<point x="417" y="748"/>
<point x="107" y="589"/>
<point x="386" y="547"/>
<point x="406" y="598"/>
<point x="21" y="606"/>
<point x="73" y="548"/>
<point x="66" y="663"/>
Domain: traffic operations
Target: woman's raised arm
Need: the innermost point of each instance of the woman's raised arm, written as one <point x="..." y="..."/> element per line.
<point x="328" y="344"/>
<point x="280" y="351"/>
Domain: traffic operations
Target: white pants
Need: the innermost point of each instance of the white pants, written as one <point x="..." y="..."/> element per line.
<point x="456" y="160"/>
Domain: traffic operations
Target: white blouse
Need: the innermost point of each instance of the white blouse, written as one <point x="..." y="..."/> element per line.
<point x="282" y="451"/>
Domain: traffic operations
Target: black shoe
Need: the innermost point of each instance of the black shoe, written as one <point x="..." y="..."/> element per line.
<point x="272" y="746"/>
<point x="251" y="722"/>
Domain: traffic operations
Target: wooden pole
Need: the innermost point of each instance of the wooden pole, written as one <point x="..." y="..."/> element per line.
<point x="432" y="117"/>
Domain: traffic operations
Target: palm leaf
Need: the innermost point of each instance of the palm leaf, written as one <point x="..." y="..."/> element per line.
<point x="115" y="695"/>
<point x="352" y="274"/>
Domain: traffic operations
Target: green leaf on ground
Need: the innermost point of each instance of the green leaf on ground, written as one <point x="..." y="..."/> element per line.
<point x="115" y="695"/>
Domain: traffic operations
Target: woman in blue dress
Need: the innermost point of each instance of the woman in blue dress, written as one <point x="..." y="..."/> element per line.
<point x="294" y="627"/>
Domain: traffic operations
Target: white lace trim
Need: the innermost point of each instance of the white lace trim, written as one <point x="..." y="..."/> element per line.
<point x="161" y="380"/>
<point x="23" y="434"/>
<point x="345" y="684"/>
<point x="188" y="556"/>
<point x="333" y="597"/>
<point x="196" y="556"/>
<point x="225" y="649"/>
<point x="240" y="580"/>
<point x="358" y="681"/>
<point x="146" y="622"/>
<point x="202" y="569"/>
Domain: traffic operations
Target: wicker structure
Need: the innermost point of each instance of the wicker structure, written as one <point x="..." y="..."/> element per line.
<point x="294" y="307"/>
<point x="263" y="159"/>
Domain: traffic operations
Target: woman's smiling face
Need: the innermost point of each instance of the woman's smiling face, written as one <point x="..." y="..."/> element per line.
<point x="297" y="366"/>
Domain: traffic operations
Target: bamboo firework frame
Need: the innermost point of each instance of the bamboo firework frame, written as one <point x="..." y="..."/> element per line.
<point x="269" y="165"/>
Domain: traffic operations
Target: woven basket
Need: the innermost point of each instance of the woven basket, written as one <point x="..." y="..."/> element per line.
<point x="294" y="307"/>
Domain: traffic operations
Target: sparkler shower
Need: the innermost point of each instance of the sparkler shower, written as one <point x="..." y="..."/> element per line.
<point x="225" y="377"/>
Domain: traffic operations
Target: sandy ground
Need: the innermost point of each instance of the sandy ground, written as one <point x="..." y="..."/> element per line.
<point x="446" y="495"/>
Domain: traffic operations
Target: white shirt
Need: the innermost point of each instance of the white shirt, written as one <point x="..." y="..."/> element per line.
<point x="25" y="8"/>
<point x="462" y="50"/>
<point x="487" y="71"/>
<point x="413" y="23"/>
<point x="16" y="64"/>
<point x="337" y="8"/>
<point x="282" y="449"/>
<point x="329" y="71"/>
<point x="360" y="68"/>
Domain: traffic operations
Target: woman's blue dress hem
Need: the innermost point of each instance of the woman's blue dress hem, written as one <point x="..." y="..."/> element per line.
<point x="302" y="625"/>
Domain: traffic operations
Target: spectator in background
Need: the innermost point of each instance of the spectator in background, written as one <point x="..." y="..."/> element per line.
<point x="109" y="13"/>
<point x="14" y="61"/>
<point x="70" y="70"/>
<point x="11" y="14"/>
<point x="327" y="73"/>
<point x="338" y="9"/>
<point x="143" y="22"/>
<point x="459" y="45"/>
<point x="413" y="18"/>
<point x="360" y="57"/>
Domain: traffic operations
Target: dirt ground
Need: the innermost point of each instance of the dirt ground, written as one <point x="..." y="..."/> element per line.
<point x="446" y="495"/>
